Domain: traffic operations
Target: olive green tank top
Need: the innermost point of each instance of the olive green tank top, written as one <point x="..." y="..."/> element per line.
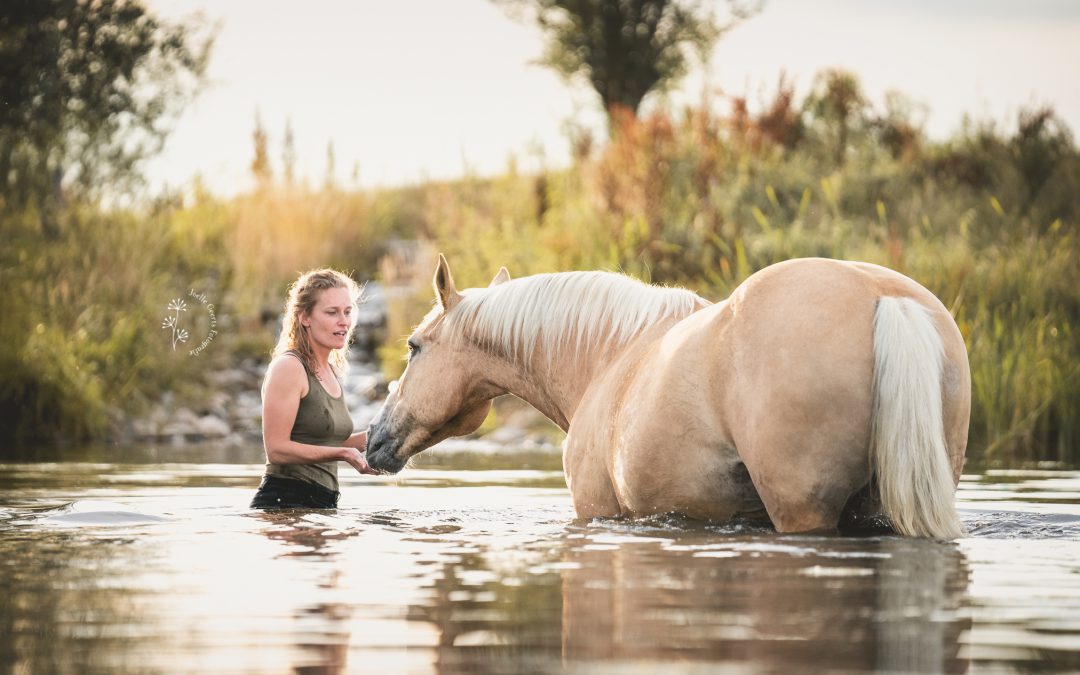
<point x="320" y="420"/>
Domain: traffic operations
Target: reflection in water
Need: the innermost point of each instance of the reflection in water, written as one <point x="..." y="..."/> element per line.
<point x="920" y="591"/>
<point x="323" y="635"/>
<point x="645" y="594"/>
<point x="491" y="574"/>
<point x="47" y="585"/>
<point x="887" y="604"/>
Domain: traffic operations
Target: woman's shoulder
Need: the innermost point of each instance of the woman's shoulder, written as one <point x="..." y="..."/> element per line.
<point x="287" y="369"/>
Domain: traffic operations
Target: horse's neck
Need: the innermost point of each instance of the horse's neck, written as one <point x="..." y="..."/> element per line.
<point x="557" y="384"/>
<point x="553" y="386"/>
<point x="558" y="372"/>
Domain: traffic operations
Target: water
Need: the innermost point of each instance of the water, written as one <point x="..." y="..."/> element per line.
<point x="149" y="561"/>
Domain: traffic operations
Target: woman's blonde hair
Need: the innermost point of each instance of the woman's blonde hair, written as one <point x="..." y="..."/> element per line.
<point x="303" y="295"/>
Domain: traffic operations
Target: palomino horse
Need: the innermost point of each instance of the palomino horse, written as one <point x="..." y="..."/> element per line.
<point x="824" y="392"/>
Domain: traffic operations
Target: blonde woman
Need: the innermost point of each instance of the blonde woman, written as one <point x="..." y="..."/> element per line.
<point x="307" y="429"/>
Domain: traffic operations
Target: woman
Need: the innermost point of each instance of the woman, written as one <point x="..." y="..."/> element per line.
<point x="307" y="429"/>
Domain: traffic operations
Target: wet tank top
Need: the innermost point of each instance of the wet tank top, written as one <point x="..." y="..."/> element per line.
<point x="322" y="420"/>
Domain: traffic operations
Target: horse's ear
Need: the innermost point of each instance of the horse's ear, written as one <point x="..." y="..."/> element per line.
<point x="501" y="278"/>
<point x="445" y="293"/>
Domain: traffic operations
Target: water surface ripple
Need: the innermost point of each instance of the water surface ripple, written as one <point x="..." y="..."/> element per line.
<point x="476" y="564"/>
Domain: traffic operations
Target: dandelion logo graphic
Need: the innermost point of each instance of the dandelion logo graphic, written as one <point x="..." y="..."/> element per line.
<point x="198" y="321"/>
<point x="173" y="322"/>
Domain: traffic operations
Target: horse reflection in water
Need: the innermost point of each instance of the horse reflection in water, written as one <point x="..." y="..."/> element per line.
<point x="693" y="597"/>
<point x="823" y="393"/>
<point x="891" y="604"/>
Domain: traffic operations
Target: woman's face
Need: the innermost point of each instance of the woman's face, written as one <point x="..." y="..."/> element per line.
<point x="329" y="322"/>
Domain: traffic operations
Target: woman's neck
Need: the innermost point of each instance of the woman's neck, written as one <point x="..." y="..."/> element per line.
<point x="322" y="359"/>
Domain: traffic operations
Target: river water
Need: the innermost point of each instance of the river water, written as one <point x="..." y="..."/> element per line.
<point x="148" y="560"/>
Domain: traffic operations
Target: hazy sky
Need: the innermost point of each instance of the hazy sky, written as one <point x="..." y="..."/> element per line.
<point x="416" y="89"/>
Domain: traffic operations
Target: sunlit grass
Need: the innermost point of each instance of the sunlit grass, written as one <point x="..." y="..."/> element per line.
<point x="682" y="200"/>
<point x="986" y="220"/>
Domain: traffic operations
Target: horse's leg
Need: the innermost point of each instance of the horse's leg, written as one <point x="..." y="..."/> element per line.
<point x="806" y="474"/>
<point x="588" y="479"/>
<point x="956" y="396"/>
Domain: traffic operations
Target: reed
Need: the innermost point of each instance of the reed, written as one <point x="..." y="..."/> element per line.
<point x="983" y="220"/>
<point x="987" y="220"/>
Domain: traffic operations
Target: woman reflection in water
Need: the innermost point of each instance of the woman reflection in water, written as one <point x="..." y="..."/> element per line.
<point x="306" y="427"/>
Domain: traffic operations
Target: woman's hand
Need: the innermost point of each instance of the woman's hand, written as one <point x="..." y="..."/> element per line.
<point x="356" y="459"/>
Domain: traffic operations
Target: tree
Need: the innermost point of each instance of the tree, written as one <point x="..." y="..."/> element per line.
<point x="86" y="90"/>
<point x="288" y="154"/>
<point x="837" y="107"/>
<point x="331" y="167"/>
<point x="626" y="48"/>
<point x="260" y="163"/>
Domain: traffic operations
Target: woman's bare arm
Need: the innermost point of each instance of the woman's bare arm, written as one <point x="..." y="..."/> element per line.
<point x="283" y="388"/>
<point x="358" y="440"/>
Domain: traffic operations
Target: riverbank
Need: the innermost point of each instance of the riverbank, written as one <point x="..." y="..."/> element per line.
<point x="230" y="414"/>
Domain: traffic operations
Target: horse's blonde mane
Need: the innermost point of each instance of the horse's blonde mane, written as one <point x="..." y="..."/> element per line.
<point x="565" y="310"/>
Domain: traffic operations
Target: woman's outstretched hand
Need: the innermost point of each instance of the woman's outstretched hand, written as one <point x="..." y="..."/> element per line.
<point x="356" y="459"/>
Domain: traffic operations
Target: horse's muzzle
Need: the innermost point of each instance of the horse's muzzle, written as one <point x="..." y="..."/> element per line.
<point x="381" y="452"/>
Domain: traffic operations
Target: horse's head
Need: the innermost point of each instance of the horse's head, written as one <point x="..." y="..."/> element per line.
<point x="444" y="390"/>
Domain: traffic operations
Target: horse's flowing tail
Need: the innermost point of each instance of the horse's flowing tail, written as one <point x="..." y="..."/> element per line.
<point x="908" y="455"/>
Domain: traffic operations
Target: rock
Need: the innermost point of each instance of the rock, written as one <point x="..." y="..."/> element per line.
<point x="144" y="428"/>
<point x="158" y="417"/>
<point x="233" y="379"/>
<point x="177" y="430"/>
<point x="365" y="385"/>
<point x="218" y="404"/>
<point x="247" y="408"/>
<point x="212" y="427"/>
<point x="184" y="416"/>
<point x="506" y="435"/>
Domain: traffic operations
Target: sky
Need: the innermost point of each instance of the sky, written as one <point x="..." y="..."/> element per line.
<point x="413" y="90"/>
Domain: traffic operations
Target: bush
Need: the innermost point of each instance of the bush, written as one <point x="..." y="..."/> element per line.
<point x="986" y="221"/>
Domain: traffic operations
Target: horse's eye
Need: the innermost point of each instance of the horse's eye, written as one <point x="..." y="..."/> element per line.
<point x="414" y="349"/>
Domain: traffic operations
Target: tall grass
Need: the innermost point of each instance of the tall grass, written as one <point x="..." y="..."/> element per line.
<point x="278" y="231"/>
<point x="82" y="350"/>
<point x="987" y="221"/>
<point x="80" y="343"/>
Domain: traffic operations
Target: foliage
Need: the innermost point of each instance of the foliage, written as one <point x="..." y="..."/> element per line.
<point x="985" y="220"/>
<point x="625" y="48"/>
<point x="80" y="344"/>
<point x="87" y="88"/>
